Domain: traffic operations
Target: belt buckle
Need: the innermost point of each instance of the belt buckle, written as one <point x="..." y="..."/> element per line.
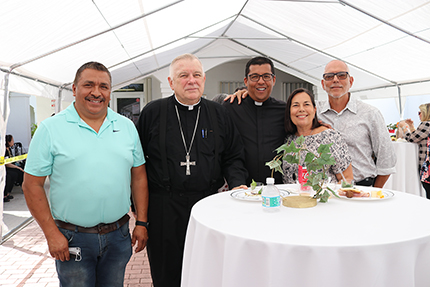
<point x="100" y="229"/>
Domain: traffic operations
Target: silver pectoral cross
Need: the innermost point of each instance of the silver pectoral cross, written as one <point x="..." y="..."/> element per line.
<point x="188" y="163"/>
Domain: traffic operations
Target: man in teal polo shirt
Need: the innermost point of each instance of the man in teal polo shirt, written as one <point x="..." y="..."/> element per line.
<point x="92" y="156"/>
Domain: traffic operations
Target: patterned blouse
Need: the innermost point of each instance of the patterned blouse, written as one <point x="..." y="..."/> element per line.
<point x="339" y="150"/>
<point x="419" y="136"/>
<point x="425" y="171"/>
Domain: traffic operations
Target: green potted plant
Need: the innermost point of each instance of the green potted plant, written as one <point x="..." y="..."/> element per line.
<point x="317" y="165"/>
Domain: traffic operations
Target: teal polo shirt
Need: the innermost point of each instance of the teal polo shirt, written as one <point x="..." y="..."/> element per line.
<point x="89" y="172"/>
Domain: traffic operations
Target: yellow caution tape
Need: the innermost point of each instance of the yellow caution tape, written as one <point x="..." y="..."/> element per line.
<point x="12" y="159"/>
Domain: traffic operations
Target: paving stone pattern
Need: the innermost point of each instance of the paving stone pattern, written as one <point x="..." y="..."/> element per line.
<point x="25" y="261"/>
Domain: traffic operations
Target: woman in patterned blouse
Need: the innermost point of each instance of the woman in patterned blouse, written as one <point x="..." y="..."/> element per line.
<point x="420" y="134"/>
<point x="301" y="120"/>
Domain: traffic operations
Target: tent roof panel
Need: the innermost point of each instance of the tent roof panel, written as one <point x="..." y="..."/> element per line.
<point x="379" y="53"/>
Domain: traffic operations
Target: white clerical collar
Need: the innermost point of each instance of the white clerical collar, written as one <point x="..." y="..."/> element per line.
<point x="190" y="107"/>
<point x="258" y="103"/>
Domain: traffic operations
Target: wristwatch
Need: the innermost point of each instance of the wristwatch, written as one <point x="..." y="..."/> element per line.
<point x="142" y="223"/>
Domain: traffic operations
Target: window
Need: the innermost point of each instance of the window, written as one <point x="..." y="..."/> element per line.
<point x="230" y="87"/>
<point x="288" y="88"/>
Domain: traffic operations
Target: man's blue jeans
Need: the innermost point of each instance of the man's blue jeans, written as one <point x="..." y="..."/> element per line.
<point x="103" y="259"/>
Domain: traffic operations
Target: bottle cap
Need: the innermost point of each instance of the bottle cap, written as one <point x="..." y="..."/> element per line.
<point x="270" y="180"/>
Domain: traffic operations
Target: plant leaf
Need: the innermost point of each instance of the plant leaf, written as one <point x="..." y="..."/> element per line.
<point x="275" y="164"/>
<point x="309" y="157"/>
<point x="300" y="140"/>
<point x="282" y="148"/>
<point x="253" y="184"/>
<point x="324" y="148"/>
<point x="325" y="196"/>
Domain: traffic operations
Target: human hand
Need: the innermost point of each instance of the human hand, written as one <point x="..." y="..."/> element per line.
<point x="58" y="246"/>
<point x="139" y="235"/>
<point x="240" y="187"/>
<point x="402" y="124"/>
<point x="410" y="123"/>
<point x="325" y="124"/>
<point x="239" y="95"/>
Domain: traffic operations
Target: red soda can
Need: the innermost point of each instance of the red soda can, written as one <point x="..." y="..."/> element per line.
<point x="303" y="178"/>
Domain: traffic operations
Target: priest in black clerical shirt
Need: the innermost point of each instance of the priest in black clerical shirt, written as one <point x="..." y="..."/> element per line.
<point x="259" y="119"/>
<point x="191" y="145"/>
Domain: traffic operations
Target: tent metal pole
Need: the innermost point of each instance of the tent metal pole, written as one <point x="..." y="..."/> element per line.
<point x="383" y="21"/>
<point x="29" y="78"/>
<point x="60" y="97"/>
<point x="93" y="36"/>
<point x="317" y="50"/>
<point x="400" y="101"/>
<point x="235" y="18"/>
<point x="58" y="100"/>
<point x="6" y="94"/>
<point x="167" y="44"/>
<point x="276" y="60"/>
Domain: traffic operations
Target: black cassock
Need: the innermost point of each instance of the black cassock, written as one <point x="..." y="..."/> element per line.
<point x="170" y="201"/>
<point x="262" y="130"/>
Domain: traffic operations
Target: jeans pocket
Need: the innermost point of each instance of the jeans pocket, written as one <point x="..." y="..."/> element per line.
<point x="124" y="230"/>
<point x="67" y="233"/>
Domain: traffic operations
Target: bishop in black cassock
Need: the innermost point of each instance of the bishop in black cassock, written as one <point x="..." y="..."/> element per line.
<point x="216" y="153"/>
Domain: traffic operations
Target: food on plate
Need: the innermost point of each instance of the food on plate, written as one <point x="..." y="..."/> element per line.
<point x="377" y="194"/>
<point x="253" y="192"/>
<point x="352" y="192"/>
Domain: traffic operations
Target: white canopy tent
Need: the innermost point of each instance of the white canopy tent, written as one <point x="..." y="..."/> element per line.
<point x="386" y="43"/>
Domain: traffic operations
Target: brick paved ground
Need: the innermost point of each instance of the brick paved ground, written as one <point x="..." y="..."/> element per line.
<point x="25" y="261"/>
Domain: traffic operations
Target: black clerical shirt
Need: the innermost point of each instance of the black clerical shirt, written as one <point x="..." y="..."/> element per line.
<point x="262" y="131"/>
<point x="230" y="147"/>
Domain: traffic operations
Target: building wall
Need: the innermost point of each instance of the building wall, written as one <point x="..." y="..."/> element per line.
<point x="44" y="109"/>
<point x="19" y="122"/>
<point x="235" y="72"/>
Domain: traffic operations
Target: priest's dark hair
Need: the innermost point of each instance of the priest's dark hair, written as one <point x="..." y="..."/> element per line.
<point x="290" y="127"/>
<point x="91" y="65"/>
<point x="259" y="61"/>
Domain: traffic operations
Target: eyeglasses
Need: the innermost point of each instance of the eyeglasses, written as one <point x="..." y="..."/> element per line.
<point x="419" y="113"/>
<point x="340" y="76"/>
<point x="256" y="77"/>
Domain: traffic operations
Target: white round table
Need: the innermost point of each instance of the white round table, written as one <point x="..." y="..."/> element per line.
<point x="233" y="243"/>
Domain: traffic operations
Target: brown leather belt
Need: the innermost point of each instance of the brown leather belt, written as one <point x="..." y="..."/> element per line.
<point x="100" y="228"/>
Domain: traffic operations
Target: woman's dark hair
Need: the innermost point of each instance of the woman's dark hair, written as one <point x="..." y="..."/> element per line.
<point x="290" y="127"/>
<point x="8" y="140"/>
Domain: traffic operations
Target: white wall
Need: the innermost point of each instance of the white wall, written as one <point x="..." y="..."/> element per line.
<point x="411" y="107"/>
<point x="19" y="122"/>
<point x="44" y="109"/>
<point x="235" y="72"/>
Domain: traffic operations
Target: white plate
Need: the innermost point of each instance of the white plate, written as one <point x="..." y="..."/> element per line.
<point x="387" y="194"/>
<point x="245" y="194"/>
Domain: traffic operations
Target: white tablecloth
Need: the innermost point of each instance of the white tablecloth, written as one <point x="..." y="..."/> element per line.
<point x="232" y="243"/>
<point x="406" y="178"/>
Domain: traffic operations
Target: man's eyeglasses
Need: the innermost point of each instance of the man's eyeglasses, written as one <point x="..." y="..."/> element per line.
<point x="340" y="76"/>
<point x="255" y="77"/>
